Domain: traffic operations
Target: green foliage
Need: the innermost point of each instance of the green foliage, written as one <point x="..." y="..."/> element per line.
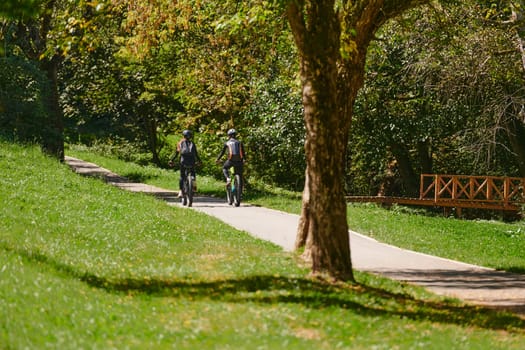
<point x="443" y="85"/>
<point x="276" y="136"/>
<point x="24" y="90"/>
<point x="15" y="9"/>
<point x="201" y="68"/>
<point x="403" y="226"/>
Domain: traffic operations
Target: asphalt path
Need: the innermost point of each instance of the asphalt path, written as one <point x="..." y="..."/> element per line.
<point x="473" y="284"/>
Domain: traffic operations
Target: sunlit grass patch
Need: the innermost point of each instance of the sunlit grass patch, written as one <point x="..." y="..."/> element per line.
<point x="87" y="265"/>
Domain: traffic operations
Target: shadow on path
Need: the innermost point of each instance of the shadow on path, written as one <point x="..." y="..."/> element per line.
<point x="491" y="288"/>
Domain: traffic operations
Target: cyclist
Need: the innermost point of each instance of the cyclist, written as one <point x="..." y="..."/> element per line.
<point x="188" y="157"/>
<point x="236" y="156"/>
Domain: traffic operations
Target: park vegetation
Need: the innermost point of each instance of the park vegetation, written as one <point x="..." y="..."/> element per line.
<point x="86" y="265"/>
<point x="332" y="97"/>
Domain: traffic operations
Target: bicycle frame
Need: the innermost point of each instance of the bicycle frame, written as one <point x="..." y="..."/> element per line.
<point x="234" y="189"/>
<point x="187" y="185"/>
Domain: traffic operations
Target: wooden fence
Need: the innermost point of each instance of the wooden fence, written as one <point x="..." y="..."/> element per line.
<point x="473" y="191"/>
<point x="461" y="191"/>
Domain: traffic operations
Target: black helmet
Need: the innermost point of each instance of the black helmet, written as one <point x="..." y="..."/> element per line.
<point x="186" y="133"/>
<point x="232" y="132"/>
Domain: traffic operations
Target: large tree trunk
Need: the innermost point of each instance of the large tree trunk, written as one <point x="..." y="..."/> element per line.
<point x="34" y="35"/>
<point x="332" y="47"/>
<point x="54" y="140"/>
<point x="323" y="227"/>
<point x="424" y="152"/>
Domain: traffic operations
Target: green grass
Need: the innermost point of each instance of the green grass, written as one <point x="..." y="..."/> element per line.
<point x="493" y="244"/>
<point x="163" y="178"/>
<point x="169" y="179"/>
<point x="86" y="265"/>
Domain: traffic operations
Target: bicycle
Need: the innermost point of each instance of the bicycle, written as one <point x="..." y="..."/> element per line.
<point x="188" y="185"/>
<point x="234" y="190"/>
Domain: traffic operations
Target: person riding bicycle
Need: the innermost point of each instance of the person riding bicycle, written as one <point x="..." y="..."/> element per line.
<point x="236" y="156"/>
<point x="189" y="157"/>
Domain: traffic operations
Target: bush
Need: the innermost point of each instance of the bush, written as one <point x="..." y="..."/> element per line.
<point x="23" y="92"/>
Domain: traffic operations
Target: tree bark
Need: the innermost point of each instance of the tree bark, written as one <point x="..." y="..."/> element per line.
<point x="151" y="130"/>
<point x="323" y="227"/>
<point x="406" y="171"/>
<point x="332" y="46"/>
<point x="516" y="134"/>
<point x="53" y="142"/>
<point x="35" y="33"/>
<point x="424" y="151"/>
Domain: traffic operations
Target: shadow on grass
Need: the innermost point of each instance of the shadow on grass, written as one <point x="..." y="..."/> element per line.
<point x="359" y="298"/>
<point x="313" y="293"/>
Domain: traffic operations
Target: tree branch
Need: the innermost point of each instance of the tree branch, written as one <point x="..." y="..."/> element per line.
<point x="297" y="24"/>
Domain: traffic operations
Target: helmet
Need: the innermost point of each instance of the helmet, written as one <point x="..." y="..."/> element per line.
<point x="232" y="132"/>
<point x="186" y="134"/>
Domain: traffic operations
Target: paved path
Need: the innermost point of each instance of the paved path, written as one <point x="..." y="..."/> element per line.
<point x="474" y="284"/>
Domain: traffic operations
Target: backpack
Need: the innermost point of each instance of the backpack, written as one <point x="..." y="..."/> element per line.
<point x="185" y="147"/>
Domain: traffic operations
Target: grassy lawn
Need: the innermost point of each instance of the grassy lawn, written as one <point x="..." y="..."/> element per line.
<point x="86" y="265"/>
<point x="493" y="244"/>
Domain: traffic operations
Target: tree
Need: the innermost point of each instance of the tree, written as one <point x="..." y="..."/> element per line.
<point x="221" y="56"/>
<point x="32" y="36"/>
<point x="23" y="89"/>
<point x="19" y="8"/>
<point x="332" y="39"/>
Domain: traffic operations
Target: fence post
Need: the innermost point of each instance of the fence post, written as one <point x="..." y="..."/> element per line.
<point x="506" y="188"/>
<point x="437" y="185"/>
<point x="421" y="184"/>
<point x="454" y="187"/>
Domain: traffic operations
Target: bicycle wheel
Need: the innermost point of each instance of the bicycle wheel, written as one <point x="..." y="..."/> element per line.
<point x="229" y="194"/>
<point x="183" y="199"/>
<point x="189" y="189"/>
<point x="237" y="190"/>
<point x="184" y="190"/>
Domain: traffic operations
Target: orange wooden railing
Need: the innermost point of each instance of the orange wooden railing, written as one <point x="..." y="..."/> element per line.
<point x="482" y="189"/>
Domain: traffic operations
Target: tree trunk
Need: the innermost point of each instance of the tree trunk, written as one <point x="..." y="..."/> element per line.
<point x="424" y="151"/>
<point x="406" y="171"/>
<point x="516" y="134"/>
<point x="302" y="230"/>
<point x="323" y="227"/>
<point x="332" y="46"/>
<point x="34" y="36"/>
<point x="53" y="142"/>
<point x="152" y="138"/>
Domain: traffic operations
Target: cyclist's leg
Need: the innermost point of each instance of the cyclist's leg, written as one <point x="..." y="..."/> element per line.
<point x="239" y="167"/>
<point x="192" y="174"/>
<point x="226" y="169"/>
<point x="182" y="176"/>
